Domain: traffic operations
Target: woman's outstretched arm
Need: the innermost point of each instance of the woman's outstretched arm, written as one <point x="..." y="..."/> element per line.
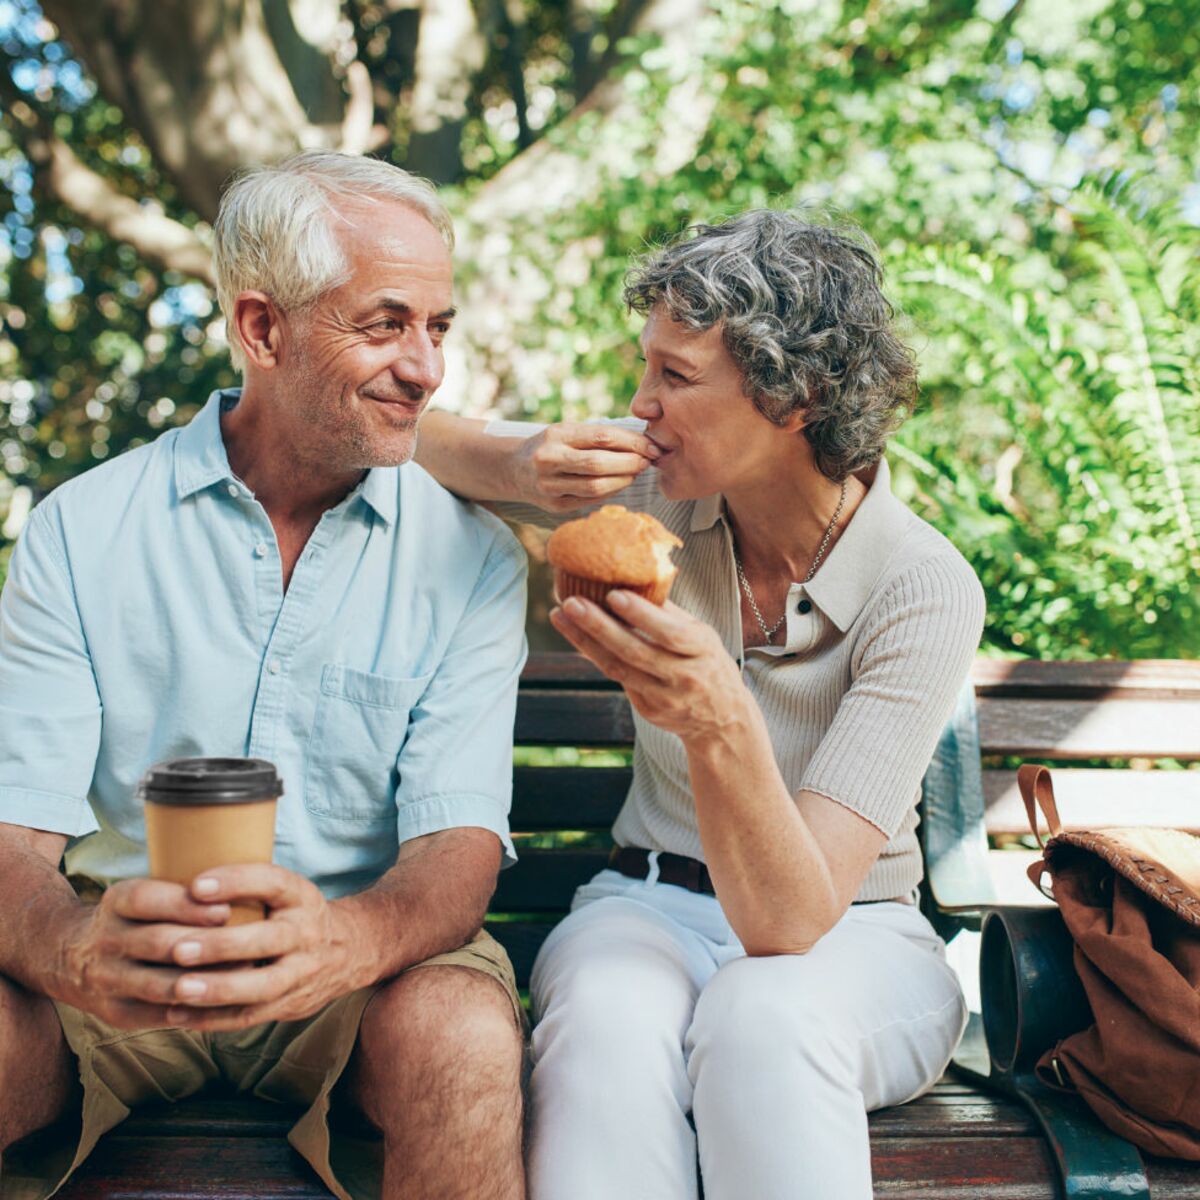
<point x="557" y="468"/>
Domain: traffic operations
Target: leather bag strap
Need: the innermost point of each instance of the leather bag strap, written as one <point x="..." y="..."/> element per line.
<point x="1038" y="792"/>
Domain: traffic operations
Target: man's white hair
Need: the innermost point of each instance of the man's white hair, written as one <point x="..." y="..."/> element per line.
<point x="274" y="229"/>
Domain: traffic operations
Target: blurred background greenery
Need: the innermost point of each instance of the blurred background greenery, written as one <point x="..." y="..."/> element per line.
<point x="1030" y="169"/>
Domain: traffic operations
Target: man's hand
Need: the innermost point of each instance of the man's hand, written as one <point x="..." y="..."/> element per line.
<point x="117" y="958"/>
<point x="285" y="967"/>
<point x="567" y="466"/>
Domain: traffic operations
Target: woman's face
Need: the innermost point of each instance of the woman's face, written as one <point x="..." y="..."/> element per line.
<point x="691" y="397"/>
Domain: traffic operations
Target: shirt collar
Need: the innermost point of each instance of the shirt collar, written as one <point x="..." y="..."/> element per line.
<point x="200" y="458"/>
<point x="201" y="461"/>
<point x="379" y="491"/>
<point x="845" y="580"/>
<point x="705" y="512"/>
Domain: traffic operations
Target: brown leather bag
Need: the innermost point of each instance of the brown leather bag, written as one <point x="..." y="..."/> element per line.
<point x="1131" y="901"/>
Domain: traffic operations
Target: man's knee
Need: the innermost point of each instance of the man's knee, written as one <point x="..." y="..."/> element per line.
<point x="441" y="1027"/>
<point x="35" y="1063"/>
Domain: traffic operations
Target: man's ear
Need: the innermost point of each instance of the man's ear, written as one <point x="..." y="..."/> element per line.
<point x="256" y="326"/>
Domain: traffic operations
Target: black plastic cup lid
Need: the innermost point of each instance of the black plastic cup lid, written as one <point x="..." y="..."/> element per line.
<point x="211" y="781"/>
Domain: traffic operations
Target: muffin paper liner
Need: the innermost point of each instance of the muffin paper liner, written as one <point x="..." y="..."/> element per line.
<point x="567" y="585"/>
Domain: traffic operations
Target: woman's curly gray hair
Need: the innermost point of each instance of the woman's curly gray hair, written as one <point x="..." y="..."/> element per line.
<point x="802" y="313"/>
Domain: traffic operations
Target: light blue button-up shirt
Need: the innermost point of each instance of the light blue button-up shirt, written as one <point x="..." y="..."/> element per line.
<point x="144" y="618"/>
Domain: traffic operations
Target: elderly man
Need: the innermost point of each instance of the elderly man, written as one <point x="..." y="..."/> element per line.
<point x="268" y="582"/>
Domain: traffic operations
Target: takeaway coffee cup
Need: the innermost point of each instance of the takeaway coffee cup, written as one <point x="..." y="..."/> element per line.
<point x="210" y="812"/>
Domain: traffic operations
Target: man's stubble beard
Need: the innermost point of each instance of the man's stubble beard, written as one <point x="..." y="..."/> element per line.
<point x="347" y="441"/>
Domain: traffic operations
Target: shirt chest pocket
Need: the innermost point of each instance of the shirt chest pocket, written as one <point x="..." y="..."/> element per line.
<point x="361" y="724"/>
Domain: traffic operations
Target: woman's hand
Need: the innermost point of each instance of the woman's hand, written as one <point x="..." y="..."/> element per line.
<point x="674" y="668"/>
<point x="567" y="466"/>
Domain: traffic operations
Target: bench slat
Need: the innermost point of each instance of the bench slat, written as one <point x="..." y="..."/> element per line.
<point x="545" y="880"/>
<point x="212" y="1116"/>
<point x="952" y="1142"/>
<point x="1164" y="678"/>
<point x="1105" y="679"/>
<point x="1074" y="729"/>
<point x="1008" y="1168"/>
<point x="1095" y="798"/>
<point x="549" y="798"/>
<point x="555" y="797"/>
<point x="183" y="1168"/>
<point x="573" y="718"/>
<point x="1064" y="728"/>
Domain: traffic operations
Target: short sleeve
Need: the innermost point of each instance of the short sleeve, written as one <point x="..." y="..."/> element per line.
<point x="915" y="653"/>
<point x="49" y="702"/>
<point x="456" y="765"/>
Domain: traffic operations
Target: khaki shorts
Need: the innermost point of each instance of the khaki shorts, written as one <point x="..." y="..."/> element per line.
<point x="290" y="1062"/>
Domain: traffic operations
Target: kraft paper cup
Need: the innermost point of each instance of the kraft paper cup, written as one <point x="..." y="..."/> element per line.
<point x="210" y="812"/>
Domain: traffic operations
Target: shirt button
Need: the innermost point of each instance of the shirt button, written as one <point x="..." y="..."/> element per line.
<point x="805" y="606"/>
<point x="260" y="550"/>
<point x="274" y="666"/>
<point x="232" y="489"/>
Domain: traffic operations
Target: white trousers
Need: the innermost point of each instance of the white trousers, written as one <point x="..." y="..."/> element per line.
<point x="650" y="1013"/>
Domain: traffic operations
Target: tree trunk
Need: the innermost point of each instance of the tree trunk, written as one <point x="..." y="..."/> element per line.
<point x="508" y="264"/>
<point x="450" y="51"/>
<point x="206" y="84"/>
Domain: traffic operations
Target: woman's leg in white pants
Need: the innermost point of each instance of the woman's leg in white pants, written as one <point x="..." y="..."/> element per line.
<point x="788" y="1054"/>
<point x="614" y="989"/>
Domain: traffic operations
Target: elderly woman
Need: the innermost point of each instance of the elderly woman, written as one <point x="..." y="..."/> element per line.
<point x="752" y="976"/>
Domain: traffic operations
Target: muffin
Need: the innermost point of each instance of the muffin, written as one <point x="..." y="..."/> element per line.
<point x="612" y="548"/>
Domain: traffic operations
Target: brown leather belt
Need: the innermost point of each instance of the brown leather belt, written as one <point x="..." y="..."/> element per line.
<point x="678" y="869"/>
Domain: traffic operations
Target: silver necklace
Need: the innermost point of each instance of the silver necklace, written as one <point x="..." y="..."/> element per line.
<point x="768" y="634"/>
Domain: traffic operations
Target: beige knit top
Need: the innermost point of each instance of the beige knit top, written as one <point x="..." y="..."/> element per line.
<point x="855" y="699"/>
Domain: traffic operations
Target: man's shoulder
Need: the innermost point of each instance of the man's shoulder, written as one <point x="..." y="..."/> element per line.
<point x="443" y="515"/>
<point x="109" y="487"/>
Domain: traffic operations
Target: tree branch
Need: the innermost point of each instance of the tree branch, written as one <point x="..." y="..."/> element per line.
<point x="359" y="132"/>
<point x="156" y="237"/>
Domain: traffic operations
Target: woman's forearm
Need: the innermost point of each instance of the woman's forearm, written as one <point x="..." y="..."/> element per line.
<point x="467" y="461"/>
<point x="772" y="877"/>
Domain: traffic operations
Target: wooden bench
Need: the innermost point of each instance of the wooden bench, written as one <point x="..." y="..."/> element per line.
<point x="1112" y="720"/>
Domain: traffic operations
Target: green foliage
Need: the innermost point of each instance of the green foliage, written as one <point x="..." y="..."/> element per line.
<point x="1055" y="317"/>
<point x="1025" y="168"/>
<point x="1086" y="538"/>
<point x="98" y="353"/>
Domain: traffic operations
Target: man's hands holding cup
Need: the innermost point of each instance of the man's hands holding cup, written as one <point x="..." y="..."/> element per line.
<point x="154" y="954"/>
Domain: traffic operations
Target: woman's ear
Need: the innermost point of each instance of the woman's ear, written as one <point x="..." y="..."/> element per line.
<point x="256" y="326"/>
<point x="798" y="417"/>
<point x="796" y="420"/>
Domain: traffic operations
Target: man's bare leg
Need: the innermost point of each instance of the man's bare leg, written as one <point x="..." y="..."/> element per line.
<point x="438" y="1069"/>
<point x="40" y="1081"/>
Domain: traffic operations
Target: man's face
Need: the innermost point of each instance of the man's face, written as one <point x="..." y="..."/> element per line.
<point x="362" y="363"/>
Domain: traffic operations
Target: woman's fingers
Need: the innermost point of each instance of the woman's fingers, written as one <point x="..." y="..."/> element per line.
<point x="591" y="451"/>
<point x="602" y="462"/>
<point x="666" y="625"/>
<point x="609" y="438"/>
<point x="583" y="488"/>
<point x="584" y="632"/>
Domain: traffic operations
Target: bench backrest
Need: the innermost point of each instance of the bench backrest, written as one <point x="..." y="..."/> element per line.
<point x="1114" y="719"/>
